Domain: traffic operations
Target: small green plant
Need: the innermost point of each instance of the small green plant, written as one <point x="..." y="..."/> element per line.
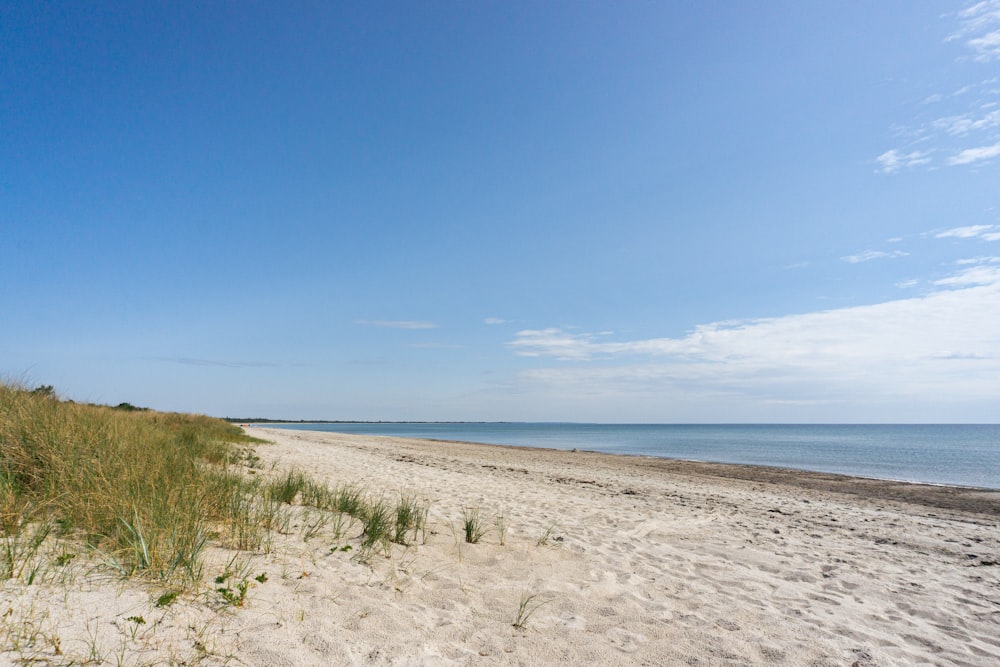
<point x="526" y="608"/>
<point x="261" y="578"/>
<point x="248" y="457"/>
<point x="235" y="596"/>
<point x="136" y="621"/>
<point x="472" y="525"/>
<point x="167" y="598"/>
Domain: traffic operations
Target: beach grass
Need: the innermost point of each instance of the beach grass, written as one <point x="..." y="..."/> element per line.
<point x="472" y="525"/>
<point x="139" y="488"/>
<point x="526" y="608"/>
<point x="411" y="518"/>
<point x="147" y="493"/>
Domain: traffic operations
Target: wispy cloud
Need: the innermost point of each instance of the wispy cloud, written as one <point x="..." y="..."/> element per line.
<point x="966" y="123"/>
<point x="494" y="320"/>
<point x="978" y="260"/>
<point x="978" y="275"/>
<point x="893" y="160"/>
<point x="984" y="232"/>
<point x="978" y="154"/>
<point x="192" y="361"/>
<point x="869" y="255"/>
<point x="979" y="29"/>
<point x="968" y="131"/>
<point x="398" y="324"/>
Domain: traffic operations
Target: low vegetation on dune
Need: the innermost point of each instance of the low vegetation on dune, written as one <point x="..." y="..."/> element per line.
<point x="140" y="488"/>
<point x="145" y="492"/>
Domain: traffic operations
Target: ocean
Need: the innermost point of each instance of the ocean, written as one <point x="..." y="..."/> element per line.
<point x="953" y="454"/>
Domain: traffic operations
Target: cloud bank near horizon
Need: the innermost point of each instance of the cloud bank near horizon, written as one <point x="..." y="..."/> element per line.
<point x="942" y="346"/>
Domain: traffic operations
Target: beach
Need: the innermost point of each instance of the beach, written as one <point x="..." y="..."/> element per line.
<point x="599" y="559"/>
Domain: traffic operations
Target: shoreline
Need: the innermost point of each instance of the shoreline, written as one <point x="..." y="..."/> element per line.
<point x="983" y="500"/>
<point x="937" y="454"/>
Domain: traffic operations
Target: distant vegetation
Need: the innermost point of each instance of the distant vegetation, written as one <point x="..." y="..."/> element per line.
<point x="128" y="407"/>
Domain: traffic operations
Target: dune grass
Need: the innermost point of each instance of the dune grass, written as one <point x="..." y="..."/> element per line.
<point x="472" y="525"/>
<point x="146" y="492"/>
<point x="141" y="488"/>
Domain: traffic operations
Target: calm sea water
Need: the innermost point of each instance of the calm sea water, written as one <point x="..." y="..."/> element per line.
<point x="959" y="454"/>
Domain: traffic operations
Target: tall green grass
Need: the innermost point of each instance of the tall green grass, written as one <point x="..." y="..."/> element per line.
<point x="139" y="486"/>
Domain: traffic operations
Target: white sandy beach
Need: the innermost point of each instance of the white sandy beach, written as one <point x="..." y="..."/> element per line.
<point x="646" y="562"/>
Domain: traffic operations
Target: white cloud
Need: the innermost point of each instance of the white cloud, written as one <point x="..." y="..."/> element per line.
<point x="893" y="160"/>
<point x="398" y="324"/>
<point x="869" y="255"/>
<point x="906" y="284"/>
<point x="979" y="260"/>
<point x="979" y="275"/>
<point x="970" y="155"/>
<point x="966" y="123"/>
<point x="917" y="354"/>
<point x="494" y="320"/>
<point x="553" y="342"/>
<point x="987" y="47"/>
<point x="985" y="232"/>
<point x="979" y="27"/>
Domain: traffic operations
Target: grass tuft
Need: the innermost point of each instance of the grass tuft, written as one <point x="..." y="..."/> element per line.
<point x="411" y="517"/>
<point x="286" y="489"/>
<point x="472" y="525"/>
<point x="377" y="521"/>
<point x="526" y="608"/>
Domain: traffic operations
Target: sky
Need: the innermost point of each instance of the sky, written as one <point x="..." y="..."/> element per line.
<point x="656" y="212"/>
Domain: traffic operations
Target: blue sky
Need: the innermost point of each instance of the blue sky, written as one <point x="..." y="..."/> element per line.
<point x="621" y="212"/>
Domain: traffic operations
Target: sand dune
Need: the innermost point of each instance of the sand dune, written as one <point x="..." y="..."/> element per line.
<point x="629" y="561"/>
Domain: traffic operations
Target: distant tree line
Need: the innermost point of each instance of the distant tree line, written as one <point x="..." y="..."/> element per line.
<point x="48" y="391"/>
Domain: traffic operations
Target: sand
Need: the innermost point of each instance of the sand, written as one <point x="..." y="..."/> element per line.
<point x="630" y="561"/>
